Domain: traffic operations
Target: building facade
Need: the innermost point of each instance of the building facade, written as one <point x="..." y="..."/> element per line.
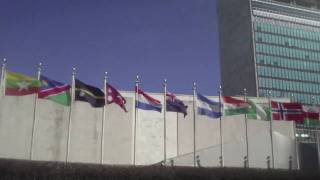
<point x="111" y="139"/>
<point x="273" y="47"/>
<point x="280" y="49"/>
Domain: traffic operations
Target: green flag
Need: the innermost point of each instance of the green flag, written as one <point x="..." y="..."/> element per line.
<point x="258" y="111"/>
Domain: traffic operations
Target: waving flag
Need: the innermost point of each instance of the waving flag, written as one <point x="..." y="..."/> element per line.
<point x="115" y="97"/>
<point x="20" y="85"/>
<point x="234" y="106"/>
<point x="146" y="102"/>
<point x="54" y="91"/>
<point x="311" y="115"/>
<point x="87" y="93"/>
<point x="175" y="105"/>
<point x="287" y="111"/>
<point x="208" y="107"/>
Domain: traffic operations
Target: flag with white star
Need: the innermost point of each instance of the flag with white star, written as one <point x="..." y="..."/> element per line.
<point x="20" y="85"/>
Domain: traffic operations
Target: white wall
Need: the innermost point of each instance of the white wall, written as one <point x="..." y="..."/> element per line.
<point x="50" y="140"/>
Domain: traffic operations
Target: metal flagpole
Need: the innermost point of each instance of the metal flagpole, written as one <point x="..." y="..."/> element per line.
<point x="104" y="116"/>
<point x="271" y="129"/>
<point x="34" y="115"/>
<point x="164" y="122"/>
<point x="221" y="138"/>
<point x="295" y="138"/>
<point x="70" y="112"/>
<point x="194" y="124"/>
<point x="3" y="82"/>
<point x="246" y="124"/>
<point x="135" y="120"/>
<point x="177" y="134"/>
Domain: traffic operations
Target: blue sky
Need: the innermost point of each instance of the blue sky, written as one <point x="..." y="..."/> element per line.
<point x="157" y="39"/>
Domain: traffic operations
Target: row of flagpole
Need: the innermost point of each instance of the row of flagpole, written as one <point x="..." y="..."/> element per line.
<point x="221" y="158"/>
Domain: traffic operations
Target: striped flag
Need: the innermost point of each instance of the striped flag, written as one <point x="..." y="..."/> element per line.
<point x="54" y="91"/>
<point x="146" y="102"/>
<point x="234" y="106"/>
<point x="208" y="107"/>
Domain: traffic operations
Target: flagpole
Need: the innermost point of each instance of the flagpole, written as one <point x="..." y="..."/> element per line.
<point x="271" y="129"/>
<point x="295" y="138"/>
<point x="135" y="120"/>
<point x="194" y="124"/>
<point x="70" y="112"/>
<point x="221" y="138"/>
<point x="34" y="114"/>
<point x="246" y="124"/>
<point x="164" y="122"/>
<point x="177" y="134"/>
<point x="3" y="72"/>
<point x="104" y="116"/>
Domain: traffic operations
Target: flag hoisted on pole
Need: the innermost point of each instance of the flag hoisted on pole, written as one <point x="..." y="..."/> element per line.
<point x="34" y="114"/>
<point x="295" y="138"/>
<point x="70" y="111"/>
<point x="271" y="129"/>
<point x="221" y="138"/>
<point x="2" y="80"/>
<point x="194" y="123"/>
<point x="246" y="124"/>
<point x="164" y="122"/>
<point x="103" y="117"/>
<point x="135" y="120"/>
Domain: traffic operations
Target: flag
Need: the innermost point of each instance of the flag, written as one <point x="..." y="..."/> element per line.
<point x="258" y="111"/>
<point x="90" y="94"/>
<point x="311" y="115"/>
<point x="54" y="91"/>
<point x="208" y="107"/>
<point x="113" y="96"/>
<point x="175" y="105"/>
<point x="20" y="85"/>
<point x="234" y="106"/>
<point x="146" y="102"/>
<point x="287" y="111"/>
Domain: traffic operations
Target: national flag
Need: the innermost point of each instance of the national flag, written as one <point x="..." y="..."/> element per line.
<point x="234" y="106"/>
<point x="311" y="115"/>
<point x="175" y="105"/>
<point x="146" y="102"/>
<point x="90" y="94"/>
<point x="55" y="91"/>
<point x="287" y="111"/>
<point x="208" y="107"/>
<point x="115" y="97"/>
<point x="20" y="85"/>
<point x="258" y="111"/>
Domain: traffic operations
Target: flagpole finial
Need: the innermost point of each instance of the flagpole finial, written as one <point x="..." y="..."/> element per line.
<point x="4" y="61"/>
<point x="165" y="81"/>
<point x="194" y="85"/>
<point x="74" y="71"/>
<point x="106" y="75"/>
<point x="137" y="79"/>
<point x="39" y="66"/>
<point x="245" y="91"/>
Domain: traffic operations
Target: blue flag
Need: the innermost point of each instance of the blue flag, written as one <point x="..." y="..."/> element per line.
<point x="208" y="107"/>
<point x="175" y="105"/>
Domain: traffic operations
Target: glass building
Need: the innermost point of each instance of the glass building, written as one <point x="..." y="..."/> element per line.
<point x="272" y="46"/>
<point x="287" y="51"/>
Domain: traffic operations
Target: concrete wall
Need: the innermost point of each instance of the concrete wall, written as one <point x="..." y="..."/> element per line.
<point x="51" y="131"/>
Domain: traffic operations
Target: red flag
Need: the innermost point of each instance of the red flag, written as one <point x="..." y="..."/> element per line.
<point x="115" y="97"/>
<point x="287" y="111"/>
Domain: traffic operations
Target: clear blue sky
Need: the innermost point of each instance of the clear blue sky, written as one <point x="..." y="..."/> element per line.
<point x="157" y="39"/>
